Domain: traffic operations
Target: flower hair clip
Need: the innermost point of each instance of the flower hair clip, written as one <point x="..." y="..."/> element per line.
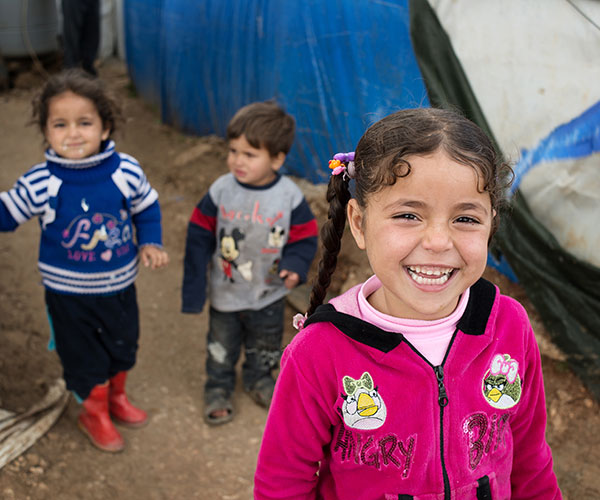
<point x="298" y="321"/>
<point x="343" y="163"/>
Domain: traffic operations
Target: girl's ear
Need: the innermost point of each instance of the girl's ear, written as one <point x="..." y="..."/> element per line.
<point x="105" y="134"/>
<point x="356" y="220"/>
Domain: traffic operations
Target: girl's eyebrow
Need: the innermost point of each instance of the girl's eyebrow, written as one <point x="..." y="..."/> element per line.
<point x="473" y="205"/>
<point x="408" y="203"/>
<point x="405" y="203"/>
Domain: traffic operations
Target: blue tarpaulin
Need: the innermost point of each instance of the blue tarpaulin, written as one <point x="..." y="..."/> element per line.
<point x="336" y="66"/>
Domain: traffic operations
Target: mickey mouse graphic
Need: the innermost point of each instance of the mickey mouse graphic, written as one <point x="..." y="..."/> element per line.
<point x="276" y="237"/>
<point x="229" y="254"/>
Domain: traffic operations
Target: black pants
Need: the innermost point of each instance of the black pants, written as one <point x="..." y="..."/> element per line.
<point x="81" y="33"/>
<point x="96" y="337"/>
<point x="259" y="332"/>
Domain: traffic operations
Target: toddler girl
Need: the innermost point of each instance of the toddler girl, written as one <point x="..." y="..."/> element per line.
<point x="423" y="382"/>
<point x="89" y="199"/>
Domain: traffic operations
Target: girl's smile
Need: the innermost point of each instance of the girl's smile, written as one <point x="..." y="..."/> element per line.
<point x="426" y="237"/>
<point x="74" y="128"/>
<point x="429" y="275"/>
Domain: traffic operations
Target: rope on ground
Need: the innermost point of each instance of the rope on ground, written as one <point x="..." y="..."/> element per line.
<point x="19" y="431"/>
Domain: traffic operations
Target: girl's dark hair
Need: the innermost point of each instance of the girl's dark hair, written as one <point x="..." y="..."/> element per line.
<point x="81" y="83"/>
<point x="381" y="158"/>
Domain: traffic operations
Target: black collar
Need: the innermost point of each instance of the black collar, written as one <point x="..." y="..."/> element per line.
<point x="472" y="322"/>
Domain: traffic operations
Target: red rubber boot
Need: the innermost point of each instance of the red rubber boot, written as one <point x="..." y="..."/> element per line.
<point x="95" y="422"/>
<point x="120" y="407"/>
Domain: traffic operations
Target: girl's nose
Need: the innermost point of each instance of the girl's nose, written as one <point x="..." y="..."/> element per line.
<point x="437" y="238"/>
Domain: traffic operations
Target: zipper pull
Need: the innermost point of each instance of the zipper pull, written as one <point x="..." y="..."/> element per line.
<point x="442" y="397"/>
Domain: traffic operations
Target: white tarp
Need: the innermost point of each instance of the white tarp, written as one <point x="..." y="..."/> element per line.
<point x="533" y="66"/>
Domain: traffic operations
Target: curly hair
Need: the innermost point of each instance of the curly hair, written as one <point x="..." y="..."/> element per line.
<point x="81" y="83"/>
<point x="381" y="158"/>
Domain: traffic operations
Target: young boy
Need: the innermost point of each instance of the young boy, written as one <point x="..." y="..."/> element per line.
<point x="257" y="232"/>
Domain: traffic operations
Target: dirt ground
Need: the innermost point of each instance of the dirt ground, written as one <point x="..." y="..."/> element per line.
<point x="177" y="456"/>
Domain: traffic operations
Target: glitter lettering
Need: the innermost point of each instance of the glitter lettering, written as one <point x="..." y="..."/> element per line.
<point x="387" y="451"/>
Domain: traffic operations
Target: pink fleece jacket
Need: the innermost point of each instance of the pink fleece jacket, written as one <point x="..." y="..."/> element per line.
<point x="359" y="414"/>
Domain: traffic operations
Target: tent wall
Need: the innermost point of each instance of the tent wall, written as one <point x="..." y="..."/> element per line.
<point x="530" y="63"/>
<point x="335" y="66"/>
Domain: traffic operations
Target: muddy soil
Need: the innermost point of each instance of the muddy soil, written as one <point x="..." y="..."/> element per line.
<point x="177" y="456"/>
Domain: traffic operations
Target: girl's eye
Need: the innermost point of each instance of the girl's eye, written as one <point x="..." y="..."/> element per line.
<point x="406" y="216"/>
<point x="465" y="219"/>
<point x="58" y="125"/>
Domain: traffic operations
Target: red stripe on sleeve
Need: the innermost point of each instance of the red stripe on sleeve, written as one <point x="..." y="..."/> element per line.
<point x="204" y="221"/>
<point x="301" y="231"/>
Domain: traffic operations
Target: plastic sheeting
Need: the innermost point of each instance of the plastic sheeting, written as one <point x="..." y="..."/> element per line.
<point x="561" y="182"/>
<point x="336" y="66"/>
<point x="531" y="63"/>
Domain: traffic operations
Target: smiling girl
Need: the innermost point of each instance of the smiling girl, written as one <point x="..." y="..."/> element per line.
<point x="90" y="202"/>
<point x="424" y="382"/>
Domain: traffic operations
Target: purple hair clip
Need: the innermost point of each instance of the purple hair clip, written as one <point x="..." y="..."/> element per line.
<point x="343" y="163"/>
<point x="344" y="157"/>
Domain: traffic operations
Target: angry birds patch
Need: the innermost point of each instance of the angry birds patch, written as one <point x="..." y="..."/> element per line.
<point x="501" y="384"/>
<point x="363" y="406"/>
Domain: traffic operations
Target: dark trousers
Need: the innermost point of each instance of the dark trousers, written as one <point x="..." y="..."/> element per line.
<point x="96" y="337"/>
<point x="81" y="33"/>
<point x="260" y="332"/>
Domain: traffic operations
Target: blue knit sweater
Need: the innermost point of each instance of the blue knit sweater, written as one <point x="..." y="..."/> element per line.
<point x="87" y="210"/>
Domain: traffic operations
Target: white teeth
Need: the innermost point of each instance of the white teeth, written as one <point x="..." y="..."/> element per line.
<point x="429" y="271"/>
<point x="441" y="275"/>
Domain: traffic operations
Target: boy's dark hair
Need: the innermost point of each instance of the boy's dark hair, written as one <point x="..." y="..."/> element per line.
<point x="82" y="84"/>
<point x="264" y="125"/>
<point x="380" y="159"/>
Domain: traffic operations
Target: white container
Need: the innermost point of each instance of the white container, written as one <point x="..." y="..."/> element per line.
<point x="26" y="26"/>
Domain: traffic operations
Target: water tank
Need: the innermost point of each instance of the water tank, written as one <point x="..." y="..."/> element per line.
<point x="27" y="25"/>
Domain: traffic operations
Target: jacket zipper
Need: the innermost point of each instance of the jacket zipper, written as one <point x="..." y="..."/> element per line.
<point x="442" y="401"/>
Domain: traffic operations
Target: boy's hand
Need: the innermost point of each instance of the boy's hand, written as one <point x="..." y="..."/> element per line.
<point x="153" y="257"/>
<point x="290" y="278"/>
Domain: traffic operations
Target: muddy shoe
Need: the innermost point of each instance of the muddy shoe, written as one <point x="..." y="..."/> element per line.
<point x="262" y="392"/>
<point x="218" y="408"/>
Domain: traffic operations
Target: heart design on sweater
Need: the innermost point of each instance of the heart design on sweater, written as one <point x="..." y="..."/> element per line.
<point x="106" y="255"/>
